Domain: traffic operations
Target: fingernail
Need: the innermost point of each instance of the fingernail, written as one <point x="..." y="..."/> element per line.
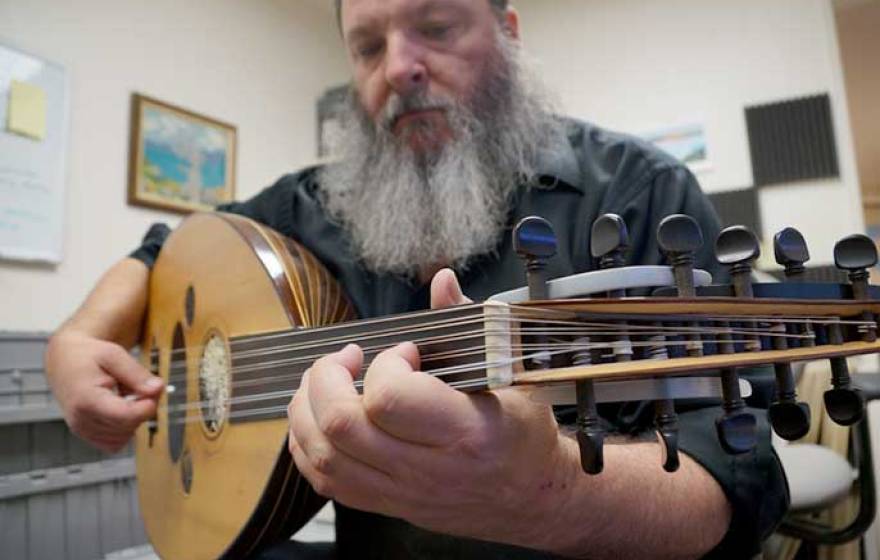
<point x="153" y="383"/>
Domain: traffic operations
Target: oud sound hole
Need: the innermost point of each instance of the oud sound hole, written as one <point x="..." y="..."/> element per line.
<point x="214" y="384"/>
<point x="152" y="424"/>
<point x="186" y="471"/>
<point x="177" y="405"/>
<point x="189" y="306"/>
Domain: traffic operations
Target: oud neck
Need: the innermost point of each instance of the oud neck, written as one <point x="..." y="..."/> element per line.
<point x="493" y="345"/>
<point x="465" y="346"/>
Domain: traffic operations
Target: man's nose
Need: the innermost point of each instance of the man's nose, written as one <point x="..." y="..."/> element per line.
<point x="405" y="67"/>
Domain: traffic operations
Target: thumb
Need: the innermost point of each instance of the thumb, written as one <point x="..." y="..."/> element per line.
<point x="445" y="290"/>
<point x="122" y="367"/>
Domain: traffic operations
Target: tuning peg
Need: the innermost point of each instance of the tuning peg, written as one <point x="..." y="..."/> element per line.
<point x="666" y="422"/>
<point x="535" y="242"/>
<point x="590" y="435"/>
<point x="791" y="251"/>
<point x="609" y="240"/>
<point x="679" y="234"/>
<point x="737" y="432"/>
<point x="846" y="406"/>
<point x="679" y="237"/>
<point x="789" y="418"/>
<point x="844" y="403"/>
<point x="738" y="248"/>
<point x="856" y="254"/>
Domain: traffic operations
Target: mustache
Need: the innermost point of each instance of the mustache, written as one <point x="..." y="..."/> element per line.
<point x="400" y="105"/>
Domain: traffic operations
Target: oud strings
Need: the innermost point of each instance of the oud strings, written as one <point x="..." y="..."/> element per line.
<point x="571" y="329"/>
<point x="551" y="323"/>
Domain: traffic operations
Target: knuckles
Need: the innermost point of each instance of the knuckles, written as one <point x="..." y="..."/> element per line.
<point x="382" y="401"/>
<point x="324" y="460"/>
<point x="338" y="421"/>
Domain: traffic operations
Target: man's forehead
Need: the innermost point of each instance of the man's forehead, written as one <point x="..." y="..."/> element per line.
<point x="364" y="12"/>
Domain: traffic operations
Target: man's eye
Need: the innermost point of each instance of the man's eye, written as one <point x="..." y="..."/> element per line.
<point x="368" y="50"/>
<point x="436" y="30"/>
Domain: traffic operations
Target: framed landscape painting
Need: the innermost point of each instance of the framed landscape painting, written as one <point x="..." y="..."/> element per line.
<point x="179" y="160"/>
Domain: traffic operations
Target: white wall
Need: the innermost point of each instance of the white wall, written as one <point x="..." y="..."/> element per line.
<point x="258" y="64"/>
<point x="635" y="65"/>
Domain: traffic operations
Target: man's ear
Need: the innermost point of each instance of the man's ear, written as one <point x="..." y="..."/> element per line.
<point x="511" y="22"/>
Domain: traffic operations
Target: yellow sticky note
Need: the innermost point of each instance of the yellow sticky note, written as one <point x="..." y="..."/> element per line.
<point x="27" y="110"/>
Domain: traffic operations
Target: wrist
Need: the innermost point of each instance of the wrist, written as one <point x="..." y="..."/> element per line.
<point x="553" y="503"/>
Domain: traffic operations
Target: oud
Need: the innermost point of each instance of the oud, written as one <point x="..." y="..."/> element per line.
<point x="237" y="313"/>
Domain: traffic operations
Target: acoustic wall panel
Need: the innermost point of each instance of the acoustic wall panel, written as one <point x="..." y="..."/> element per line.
<point x="792" y="140"/>
<point x="738" y="208"/>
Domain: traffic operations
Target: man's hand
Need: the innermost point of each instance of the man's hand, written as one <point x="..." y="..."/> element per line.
<point x="103" y="391"/>
<point x="89" y="369"/>
<point x="412" y="447"/>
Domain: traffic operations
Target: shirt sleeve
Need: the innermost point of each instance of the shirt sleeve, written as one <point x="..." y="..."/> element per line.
<point x="272" y="207"/>
<point x="151" y="244"/>
<point x="753" y="482"/>
<point x="673" y="190"/>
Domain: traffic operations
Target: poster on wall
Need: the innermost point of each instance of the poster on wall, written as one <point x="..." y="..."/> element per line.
<point x="686" y="143"/>
<point x="33" y="144"/>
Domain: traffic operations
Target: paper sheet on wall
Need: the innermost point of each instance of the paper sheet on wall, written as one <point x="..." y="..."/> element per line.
<point x="27" y="110"/>
<point x="33" y="142"/>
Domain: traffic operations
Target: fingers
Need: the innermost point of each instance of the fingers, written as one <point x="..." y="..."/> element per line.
<point x="119" y="413"/>
<point x="120" y="365"/>
<point x="337" y="411"/>
<point x="445" y="290"/>
<point x="106" y="420"/>
<point x="351" y="358"/>
<point x="347" y="481"/>
<point x="332" y="472"/>
<point x="414" y="406"/>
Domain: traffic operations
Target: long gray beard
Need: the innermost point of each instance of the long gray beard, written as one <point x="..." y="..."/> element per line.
<point x="408" y="214"/>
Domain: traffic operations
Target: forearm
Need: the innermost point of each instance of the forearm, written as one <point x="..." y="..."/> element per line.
<point x="115" y="308"/>
<point x="635" y="508"/>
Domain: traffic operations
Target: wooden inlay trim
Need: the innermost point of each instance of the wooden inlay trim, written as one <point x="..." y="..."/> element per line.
<point x="263" y="250"/>
<point x="656" y="368"/>
<point x="710" y="306"/>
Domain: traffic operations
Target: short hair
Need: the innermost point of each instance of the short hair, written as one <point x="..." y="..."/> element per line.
<point x="500" y="5"/>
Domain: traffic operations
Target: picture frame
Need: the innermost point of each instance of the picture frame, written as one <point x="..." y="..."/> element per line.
<point x="685" y="142"/>
<point x="179" y="160"/>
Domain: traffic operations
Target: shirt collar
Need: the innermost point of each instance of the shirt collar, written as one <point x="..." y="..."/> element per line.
<point x="558" y="165"/>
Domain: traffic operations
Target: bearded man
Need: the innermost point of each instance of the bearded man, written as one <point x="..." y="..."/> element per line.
<point x="447" y="142"/>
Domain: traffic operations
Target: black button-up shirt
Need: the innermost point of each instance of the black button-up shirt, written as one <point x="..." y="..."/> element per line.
<point x="593" y="173"/>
